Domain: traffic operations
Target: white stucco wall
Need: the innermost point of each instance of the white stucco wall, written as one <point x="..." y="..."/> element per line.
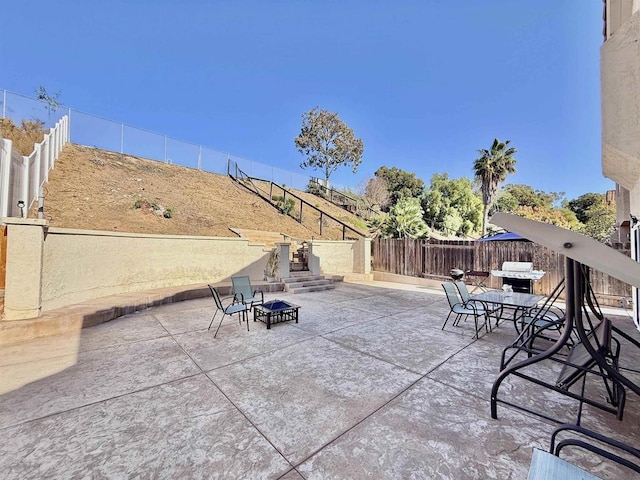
<point x="81" y="265"/>
<point x="347" y="256"/>
<point x="620" y="89"/>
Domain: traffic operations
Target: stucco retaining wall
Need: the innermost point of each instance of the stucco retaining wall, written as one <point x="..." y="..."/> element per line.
<point x="81" y="265"/>
<point x="348" y="256"/>
<point x="48" y="268"/>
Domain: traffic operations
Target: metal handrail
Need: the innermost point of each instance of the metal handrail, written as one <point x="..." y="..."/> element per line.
<point x="236" y="174"/>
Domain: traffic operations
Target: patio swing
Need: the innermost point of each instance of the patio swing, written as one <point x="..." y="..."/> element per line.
<point x="589" y="344"/>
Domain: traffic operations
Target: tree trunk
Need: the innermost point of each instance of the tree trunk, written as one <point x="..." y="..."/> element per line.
<point x="485" y="218"/>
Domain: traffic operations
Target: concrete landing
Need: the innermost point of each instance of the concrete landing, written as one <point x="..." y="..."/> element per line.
<point x="366" y="385"/>
<point x="100" y="310"/>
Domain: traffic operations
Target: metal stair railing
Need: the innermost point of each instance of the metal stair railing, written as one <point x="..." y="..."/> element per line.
<point x="358" y="204"/>
<point x="248" y="182"/>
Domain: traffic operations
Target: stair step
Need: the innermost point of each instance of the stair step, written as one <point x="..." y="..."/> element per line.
<point x="317" y="288"/>
<point x="302" y="278"/>
<point x="309" y="283"/>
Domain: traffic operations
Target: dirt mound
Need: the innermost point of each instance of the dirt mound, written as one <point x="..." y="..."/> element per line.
<point x="98" y="190"/>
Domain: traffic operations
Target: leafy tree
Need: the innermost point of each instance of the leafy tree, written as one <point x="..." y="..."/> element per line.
<point x="400" y="184"/>
<point x="328" y="143"/>
<point x="581" y="205"/>
<point x="601" y="221"/>
<point x="377" y="193"/>
<point x="561" y="217"/>
<point x="505" y="202"/>
<point x="491" y="169"/>
<point x="526" y="196"/>
<point x="378" y="225"/>
<point x="450" y="205"/>
<point x="405" y="220"/>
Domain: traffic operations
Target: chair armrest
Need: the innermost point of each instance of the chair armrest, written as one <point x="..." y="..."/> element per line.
<point x="475" y="305"/>
<point x="472" y="304"/>
<point x="235" y="298"/>
<point x="261" y="295"/>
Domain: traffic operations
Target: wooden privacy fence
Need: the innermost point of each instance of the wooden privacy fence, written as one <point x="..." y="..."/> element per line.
<point x="435" y="259"/>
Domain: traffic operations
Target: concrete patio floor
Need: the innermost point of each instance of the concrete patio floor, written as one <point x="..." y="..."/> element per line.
<point x="365" y="386"/>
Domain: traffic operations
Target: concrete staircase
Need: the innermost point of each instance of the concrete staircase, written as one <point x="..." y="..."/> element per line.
<point x="302" y="282"/>
<point x="268" y="238"/>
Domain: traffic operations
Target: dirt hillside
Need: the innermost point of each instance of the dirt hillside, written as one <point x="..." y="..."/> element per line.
<point x="99" y="190"/>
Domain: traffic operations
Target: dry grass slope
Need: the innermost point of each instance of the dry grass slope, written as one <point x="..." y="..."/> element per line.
<point x="99" y="190"/>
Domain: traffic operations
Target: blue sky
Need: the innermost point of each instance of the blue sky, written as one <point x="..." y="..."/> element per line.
<point x="424" y="83"/>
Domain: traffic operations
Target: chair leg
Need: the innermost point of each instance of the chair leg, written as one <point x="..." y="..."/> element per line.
<point x="246" y="318"/>
<point x="475" y="322"/>
<point x="212" y="319"/>
<point x="445" y="322"/>
<point x="219" y="325"/>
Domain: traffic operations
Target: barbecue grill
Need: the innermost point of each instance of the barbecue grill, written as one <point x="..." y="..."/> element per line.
<point x="520" y="275"/>
<point x="456" y="273"/>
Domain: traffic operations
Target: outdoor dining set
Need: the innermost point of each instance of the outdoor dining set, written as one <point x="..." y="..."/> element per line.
<point x="567" y="328"/>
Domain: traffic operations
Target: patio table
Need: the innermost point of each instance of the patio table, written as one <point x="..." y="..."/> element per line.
<point x="519" y="302"/>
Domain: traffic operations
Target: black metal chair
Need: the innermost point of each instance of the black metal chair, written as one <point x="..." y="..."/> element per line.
<point x="596" y="443"/>
<point x="490" y="309"/>
<point x="235" y="307"/>
<point x="464" y="309"/>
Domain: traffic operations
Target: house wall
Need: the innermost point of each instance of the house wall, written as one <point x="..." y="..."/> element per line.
<point x="620" y="96"/>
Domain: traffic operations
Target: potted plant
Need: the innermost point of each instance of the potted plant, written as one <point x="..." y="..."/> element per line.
<point x="273" y="265"/>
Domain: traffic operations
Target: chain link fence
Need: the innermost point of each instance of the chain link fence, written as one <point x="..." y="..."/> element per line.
<point x="94" y="131"/>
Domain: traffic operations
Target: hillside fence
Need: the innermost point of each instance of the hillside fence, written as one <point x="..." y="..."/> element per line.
<point x="21" y="177"/>
<point x="94" y="131"/>
<point x="435" y="259"/>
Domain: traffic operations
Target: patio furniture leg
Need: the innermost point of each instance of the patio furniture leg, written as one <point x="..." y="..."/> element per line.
<point x="444" y="324"/>
<point x="219" y="325"/>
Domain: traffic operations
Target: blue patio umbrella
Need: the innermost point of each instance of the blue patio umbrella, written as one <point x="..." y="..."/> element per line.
<point x="504" y="237"/>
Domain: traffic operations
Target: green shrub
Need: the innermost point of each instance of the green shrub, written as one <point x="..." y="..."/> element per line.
<point x="285" y="207"/>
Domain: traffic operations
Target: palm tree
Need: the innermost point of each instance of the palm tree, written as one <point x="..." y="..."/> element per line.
<point x="491" y="169"/>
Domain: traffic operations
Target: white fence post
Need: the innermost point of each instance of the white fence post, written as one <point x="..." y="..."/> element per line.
<point x="36" y="168"/>
<point x="33" y="191"/>
<point x="5" y="181"/>
<point x="20" y="179"/>
<point x="24" y="187"/>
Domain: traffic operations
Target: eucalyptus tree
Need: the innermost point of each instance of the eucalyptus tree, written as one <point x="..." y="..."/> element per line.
<point x="491" y="169"/>
<point x="328" y="143"/>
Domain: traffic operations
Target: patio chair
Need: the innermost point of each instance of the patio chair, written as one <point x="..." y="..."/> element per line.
<point x="538" y="323"/>
<point x="243" y="292"/>
<point x="235" y="307"/>
<point x="490" y="309"/>
<point x="464" y="309"/>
